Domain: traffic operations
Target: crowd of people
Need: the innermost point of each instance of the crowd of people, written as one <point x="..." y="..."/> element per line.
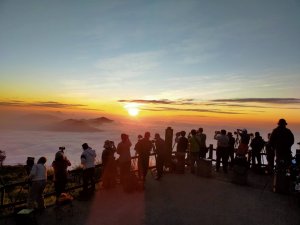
<point x="189" y="150"/>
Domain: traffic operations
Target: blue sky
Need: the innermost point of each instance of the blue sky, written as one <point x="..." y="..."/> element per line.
<point x="87" y="51"/>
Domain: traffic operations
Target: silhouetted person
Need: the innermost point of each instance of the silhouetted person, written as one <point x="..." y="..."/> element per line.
<point x="108" y="165"/>
<point x="38" y="177"/>
<point x="60" y="165"/>
<point x="161" y="158"/>
<point x="29" y="164"/>
<point x="194" y="150"/>
<point x="222" y="149"/>
<point x="244" y="143"/>
<point x="140" y="137"/>
<point x="282" y="140"/>
<point x="143" y="148"/>
<point x="270" y="151"/>
<point x="257" y="144"/>
<point x="182" y="147"/>
<point x="123" y="149"/>
<point x="88" y="162"/>
<point x="202" y="143"/>
<point x="231" y="148"/>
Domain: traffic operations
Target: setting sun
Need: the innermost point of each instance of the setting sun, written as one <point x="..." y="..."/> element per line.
<point x="132" y="109"/>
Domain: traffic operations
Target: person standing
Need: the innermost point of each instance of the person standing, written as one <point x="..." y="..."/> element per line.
<point x="182" y="147"/>
<point x="38" y="178"/>
<point x="123" y="149"/>
<point x="231" y="148"/>
<point x="222" y="149"/>
<point x="243" y="147"/>
<point x="160" y="150"/>
<point x="270" y="155"/>
<point x="108" y="165"/>
<point x="136" y="146"/>
<point x="257" y="144"/>
<point x="202" y="143"/>
<point x="281" y="140"/>
<point x="88" y="162"/>
<point x="60" y="165"/>
<point x="143" y="148"/>
<point x="194" y="150"/>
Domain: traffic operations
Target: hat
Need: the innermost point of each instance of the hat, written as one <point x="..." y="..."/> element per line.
<point x="106" y="144"/>
<point x="282" y="122"/>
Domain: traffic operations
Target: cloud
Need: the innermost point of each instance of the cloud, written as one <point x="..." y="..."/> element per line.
<point x="261" y="100"/>
<point x="161" y="101"/>
<point x="48" y="104"/>
<point x="158" y="109"/>
<point x="142" y="101"/>
<point x="179" y="102"/>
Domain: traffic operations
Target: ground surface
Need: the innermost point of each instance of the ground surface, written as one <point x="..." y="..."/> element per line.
<point x="181" y="200"/>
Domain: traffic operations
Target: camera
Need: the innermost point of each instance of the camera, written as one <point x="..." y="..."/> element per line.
<point x="62" y="148"/>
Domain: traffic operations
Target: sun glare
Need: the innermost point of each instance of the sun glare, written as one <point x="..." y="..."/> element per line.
<point x="132" y="109"/>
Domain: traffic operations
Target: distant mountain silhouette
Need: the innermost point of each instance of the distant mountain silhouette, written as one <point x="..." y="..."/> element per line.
<point x="99" y="121"/>
<point x="72" y="125"/>
<point x="48" y="122"/>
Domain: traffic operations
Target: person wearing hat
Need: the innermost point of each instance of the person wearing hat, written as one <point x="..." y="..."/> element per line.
<point x="281" y="140"/>
<point x="60" y="165"/>
<point x="108" y="165"/>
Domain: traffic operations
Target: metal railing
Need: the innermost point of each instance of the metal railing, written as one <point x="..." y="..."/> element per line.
<point x="15" y="194"/>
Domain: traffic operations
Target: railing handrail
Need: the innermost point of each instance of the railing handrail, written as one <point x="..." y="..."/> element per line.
<point x="78" y="171"/>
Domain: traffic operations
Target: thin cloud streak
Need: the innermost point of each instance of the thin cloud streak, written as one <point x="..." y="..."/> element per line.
<point x="262" y="100"/>
<point x="48" y="104"/>
<point x="159" y="109"/>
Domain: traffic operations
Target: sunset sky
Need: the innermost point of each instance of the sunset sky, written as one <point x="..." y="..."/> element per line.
<point x="187" y="60"/>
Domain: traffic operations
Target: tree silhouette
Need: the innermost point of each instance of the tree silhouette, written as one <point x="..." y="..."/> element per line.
<point x="2" y="157"/>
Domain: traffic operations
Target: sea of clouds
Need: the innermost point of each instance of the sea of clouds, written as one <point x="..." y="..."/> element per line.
<point x="20" y="144"/>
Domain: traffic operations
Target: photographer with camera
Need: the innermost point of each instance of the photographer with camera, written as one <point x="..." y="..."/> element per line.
<point x="222" y="149"/>
<point x="108" y="165"/>
<point x="143" y="148"/>
<point x="60" y="165"/>
<point x="244" y="142"/>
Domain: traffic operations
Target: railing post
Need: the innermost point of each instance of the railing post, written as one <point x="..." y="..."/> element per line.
<point x="2" y="195"/>
<point x="211" y="149"/>
<point x="169" y="141"/>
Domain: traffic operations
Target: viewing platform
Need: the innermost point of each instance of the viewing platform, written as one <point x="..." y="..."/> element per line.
<point x="181" y="199"/>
